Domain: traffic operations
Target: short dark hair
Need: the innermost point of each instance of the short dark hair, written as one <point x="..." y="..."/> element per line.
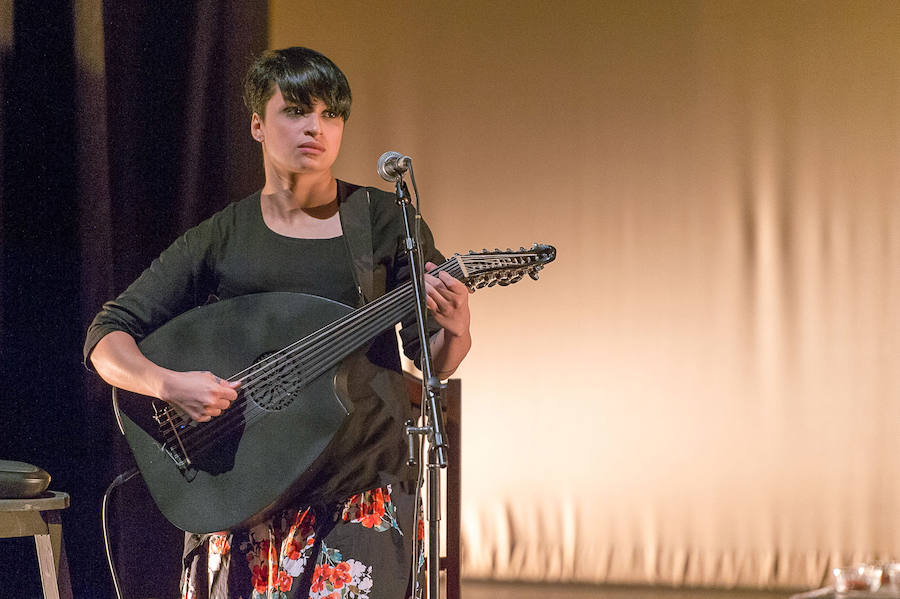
<point x="302" y="75"/>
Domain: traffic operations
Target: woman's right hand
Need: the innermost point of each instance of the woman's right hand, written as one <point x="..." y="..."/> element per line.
<point x="200" y="395"/>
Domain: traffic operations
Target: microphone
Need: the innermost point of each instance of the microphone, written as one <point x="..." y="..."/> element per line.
<point x="392" y="165"/>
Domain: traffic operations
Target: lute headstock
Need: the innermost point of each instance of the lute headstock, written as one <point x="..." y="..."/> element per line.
<point x="498" y="267"/>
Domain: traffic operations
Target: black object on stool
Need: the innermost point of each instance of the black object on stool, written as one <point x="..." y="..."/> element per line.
<point x="26" y="509"/>
<point x="19" y="480"/>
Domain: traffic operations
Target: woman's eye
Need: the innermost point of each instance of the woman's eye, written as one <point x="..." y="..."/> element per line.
<point x="330" y="114"/>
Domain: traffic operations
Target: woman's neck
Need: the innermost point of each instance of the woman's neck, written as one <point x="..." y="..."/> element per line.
<point x="307" y="208"/>
<point x="300" y="191"/>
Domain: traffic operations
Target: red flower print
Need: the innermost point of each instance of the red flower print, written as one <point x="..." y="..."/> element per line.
<point x="301" y="534"/>
<point x="264" y="548"/>
<point x="378" y="500"/>
<point x="320" y="577"/>
<point x="292" y="550"/>
<point x="261" y="578"/>
<point x="351" y="509"/>
<point x="219" y="544"/>
<point x="340" y="574"/>
<point x="371" y="520"/>
<point x="420" y="529"/>
<point x="303" y="524"/>
<point x="371" y="508"/>
<point x="284" y="581"/>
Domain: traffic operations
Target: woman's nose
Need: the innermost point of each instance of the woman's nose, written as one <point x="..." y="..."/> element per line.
<point x="313" y="126"/>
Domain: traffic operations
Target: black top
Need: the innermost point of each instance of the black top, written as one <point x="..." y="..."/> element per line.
<point x="325" y="270"/>
<point x="235" y="253"/>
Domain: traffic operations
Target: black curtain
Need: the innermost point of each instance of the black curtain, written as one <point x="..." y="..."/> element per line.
<point x="121" y="125"/>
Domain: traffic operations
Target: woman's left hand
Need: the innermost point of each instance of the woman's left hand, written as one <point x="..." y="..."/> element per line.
<point x="448" y="300"/>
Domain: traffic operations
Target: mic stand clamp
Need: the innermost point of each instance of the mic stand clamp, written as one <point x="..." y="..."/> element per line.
<point x="437" y="452"/>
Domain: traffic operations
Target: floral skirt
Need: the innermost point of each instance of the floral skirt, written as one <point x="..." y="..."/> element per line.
<point x="369" y="547"/>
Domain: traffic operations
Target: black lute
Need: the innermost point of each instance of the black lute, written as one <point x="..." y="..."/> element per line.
<point x="286" y="349"/>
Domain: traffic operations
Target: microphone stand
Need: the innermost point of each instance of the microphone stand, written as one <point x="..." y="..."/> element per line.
<point x="437" y="449"/>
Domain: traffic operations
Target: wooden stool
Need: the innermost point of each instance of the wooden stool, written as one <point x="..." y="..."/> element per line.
<point x="39" y="517"/>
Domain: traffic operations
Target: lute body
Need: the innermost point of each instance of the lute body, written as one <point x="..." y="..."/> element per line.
<point x="233" y="476"/>
<point x="287" y="350"/>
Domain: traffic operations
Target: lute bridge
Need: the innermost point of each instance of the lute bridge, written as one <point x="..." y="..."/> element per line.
<point x="170" y="426"/>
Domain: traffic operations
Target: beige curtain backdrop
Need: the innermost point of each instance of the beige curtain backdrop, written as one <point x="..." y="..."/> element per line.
<point x="703" y="389"/>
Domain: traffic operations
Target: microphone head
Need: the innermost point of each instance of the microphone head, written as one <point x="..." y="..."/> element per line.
<point x="389" y="168"/>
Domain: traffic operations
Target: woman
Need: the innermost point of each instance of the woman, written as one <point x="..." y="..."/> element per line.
<point x="305" y="232"/>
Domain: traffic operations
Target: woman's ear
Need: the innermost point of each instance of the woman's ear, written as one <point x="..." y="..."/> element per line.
<point x="256" y="127"/>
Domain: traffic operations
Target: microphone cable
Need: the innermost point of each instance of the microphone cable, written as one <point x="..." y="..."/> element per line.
<point x="119" y="480"/>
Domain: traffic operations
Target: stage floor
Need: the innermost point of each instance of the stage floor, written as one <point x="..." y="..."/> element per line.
<point x="496" y="590"/>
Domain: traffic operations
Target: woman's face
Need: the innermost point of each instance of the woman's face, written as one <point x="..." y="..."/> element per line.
<point x="296" y="139"/>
